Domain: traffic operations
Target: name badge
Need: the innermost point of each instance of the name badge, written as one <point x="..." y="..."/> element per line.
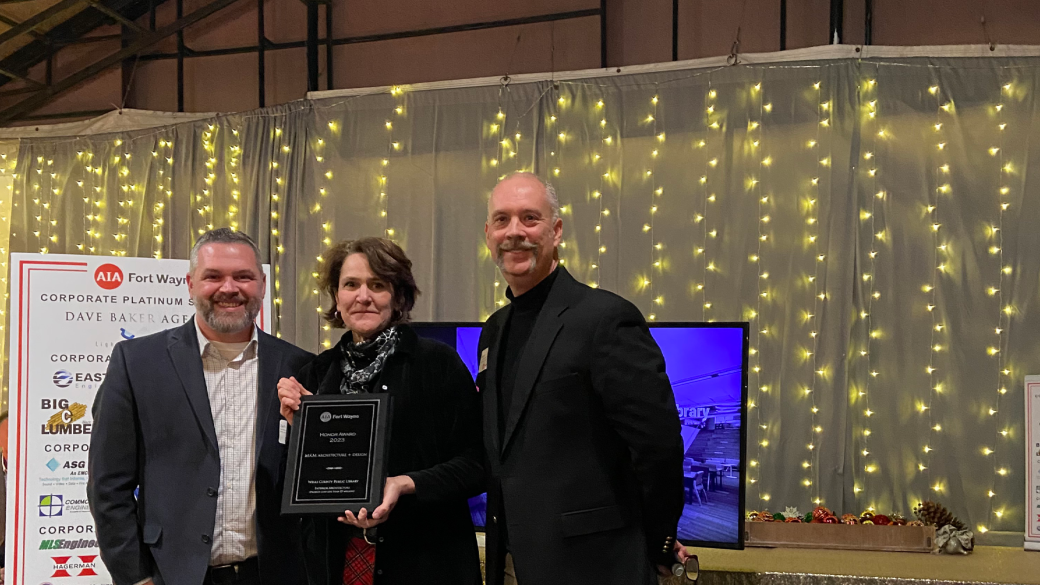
<point x="483" y="361"/>
<point x="283" y="431"/>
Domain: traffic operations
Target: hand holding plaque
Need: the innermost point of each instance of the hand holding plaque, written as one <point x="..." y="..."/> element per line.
<point x="289" y="393"/>
<point x="396" y="487"/>
<point x="337" y="454"/>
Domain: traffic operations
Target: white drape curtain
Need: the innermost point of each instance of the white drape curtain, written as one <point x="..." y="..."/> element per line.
<point x="870" y="213"/>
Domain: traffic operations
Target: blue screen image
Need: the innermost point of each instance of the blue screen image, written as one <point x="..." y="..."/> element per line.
<point x="705" y="367"/>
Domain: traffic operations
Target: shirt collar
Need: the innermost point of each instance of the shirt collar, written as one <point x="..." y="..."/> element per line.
<point x="205" y="343"/>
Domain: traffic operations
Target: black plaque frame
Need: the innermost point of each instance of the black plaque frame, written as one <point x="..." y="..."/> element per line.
<point x="311" y="408"/>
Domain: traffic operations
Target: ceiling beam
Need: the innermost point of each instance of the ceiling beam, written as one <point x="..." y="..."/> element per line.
<point x="45" y="95"/>
<point x="119" y="18"/>
<point x="13" y="75"/>
<point x="12" y="22"/>
<point x="37" y="19"/>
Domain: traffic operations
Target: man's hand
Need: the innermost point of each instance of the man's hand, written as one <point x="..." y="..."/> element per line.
<point x="681" y="553"/>
<point x="396" y="487"/>
<point x="289" y="393"/>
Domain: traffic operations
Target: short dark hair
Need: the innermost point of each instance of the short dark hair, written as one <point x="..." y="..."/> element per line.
<point x="386" y="260"/>
<point x="223" y="235"/>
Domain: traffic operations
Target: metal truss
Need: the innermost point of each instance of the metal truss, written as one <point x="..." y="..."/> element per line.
<point x="135" y="40"/>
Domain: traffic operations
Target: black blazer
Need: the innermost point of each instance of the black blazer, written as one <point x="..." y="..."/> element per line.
<point x="434" y="439"/>
<point x="589" y="473"/>
<point x="153" y="428"/>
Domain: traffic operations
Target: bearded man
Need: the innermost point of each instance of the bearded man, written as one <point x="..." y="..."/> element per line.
<point x="186" y="464"/>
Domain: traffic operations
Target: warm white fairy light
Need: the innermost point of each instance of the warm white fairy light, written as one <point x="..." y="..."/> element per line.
<point x="204" y="197"/>
<point x="874" y="232"/>
<point x="938" y="336"/>
<point x="496" y="131"/>
<point x="601" y="165"/>
<point x="277" y="194"/>
<point x="84" y="191"/>
<point x="1002" y="330"/>
<point x="755" y="186"/>
<point x="325" y="180"/>
<point x="651" y="185"/>
<point x="811" y="209"/>
<point x="233" y="172"/>
<point x="711" y="143"/>
<point x="53" y="198"/>
<point x="558" y="136"/>
<point x="163" y="164"/>
<point x="8" y="195"/>
<point x="394" y="147"/>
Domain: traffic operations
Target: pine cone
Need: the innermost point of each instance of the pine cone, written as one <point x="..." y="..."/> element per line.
<point x="934" y="514"/>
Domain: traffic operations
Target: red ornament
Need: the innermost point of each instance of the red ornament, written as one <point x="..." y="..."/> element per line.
<point x="793" y="520"/>
<point x="831" y="520"/>
<point x="882" y="520"/>
<point x="820" y="513"/>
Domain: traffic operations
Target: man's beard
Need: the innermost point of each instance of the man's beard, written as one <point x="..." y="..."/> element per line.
<point x="227" y="323"/>
<point x="514" y="245"/>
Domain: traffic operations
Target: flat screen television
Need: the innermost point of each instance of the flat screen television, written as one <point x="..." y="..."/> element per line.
<point x="707" y="366"/>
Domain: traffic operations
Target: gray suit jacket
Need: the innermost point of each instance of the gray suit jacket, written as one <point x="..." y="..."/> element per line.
<point x="153" y="428"/>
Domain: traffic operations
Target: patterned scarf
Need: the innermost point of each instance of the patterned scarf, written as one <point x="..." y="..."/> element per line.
<point x="363" y="361"/>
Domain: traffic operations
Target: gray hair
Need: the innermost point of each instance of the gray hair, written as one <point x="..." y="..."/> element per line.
<point x="550" y="191"/>
<point x="224" y="235"/>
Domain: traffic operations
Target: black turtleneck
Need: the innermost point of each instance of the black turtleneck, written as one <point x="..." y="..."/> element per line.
<point x="517" y="331"/>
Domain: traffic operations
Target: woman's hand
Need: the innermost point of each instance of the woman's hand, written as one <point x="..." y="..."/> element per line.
<point x="289" y="393"/>
<point x="396" y="487"/>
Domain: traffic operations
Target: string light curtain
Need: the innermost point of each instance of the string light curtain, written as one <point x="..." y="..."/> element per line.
<point x="870" y="218"/>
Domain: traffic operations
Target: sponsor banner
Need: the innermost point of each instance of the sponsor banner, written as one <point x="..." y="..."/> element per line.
<point x="67" y="313"/>
<point x="1032" y="535"/>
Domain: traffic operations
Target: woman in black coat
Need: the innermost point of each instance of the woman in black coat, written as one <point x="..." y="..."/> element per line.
<point x="422" y="530"/>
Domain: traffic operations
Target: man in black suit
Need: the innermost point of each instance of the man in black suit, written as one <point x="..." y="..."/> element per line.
<point x="189" y="418"/>
<point x="581" y="431"/>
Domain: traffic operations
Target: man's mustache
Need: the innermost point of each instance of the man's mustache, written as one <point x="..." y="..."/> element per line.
<point x="517" y="246"/>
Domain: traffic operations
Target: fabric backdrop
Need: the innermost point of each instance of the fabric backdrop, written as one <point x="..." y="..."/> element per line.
<point x="873" y="219"/>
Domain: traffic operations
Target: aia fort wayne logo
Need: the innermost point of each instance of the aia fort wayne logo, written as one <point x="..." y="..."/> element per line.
<point x="108" y="276"/>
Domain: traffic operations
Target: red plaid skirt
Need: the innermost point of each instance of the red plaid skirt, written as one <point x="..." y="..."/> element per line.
<point x="360" y="562"/>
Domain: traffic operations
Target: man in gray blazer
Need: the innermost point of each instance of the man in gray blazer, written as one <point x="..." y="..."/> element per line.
<point x="186" y="463"/>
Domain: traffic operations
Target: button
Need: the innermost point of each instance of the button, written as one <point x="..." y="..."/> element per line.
<point x="380" y="539"/>
<point x="211" y="492"/>
<point x="384" y="386"/>
<point x="206" y="539"/>
<point x="494" y="519"/>
<point x="379" y="571"/>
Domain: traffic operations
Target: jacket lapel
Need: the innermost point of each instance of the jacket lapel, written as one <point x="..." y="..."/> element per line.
<point x="269" y="363"/>
<point x="546" y="327"/>
<point x="187" y="362"/>
<point x="491" y="379"/>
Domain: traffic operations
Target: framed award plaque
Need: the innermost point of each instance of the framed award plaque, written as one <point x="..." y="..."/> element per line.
<point x="337" y="454"/>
